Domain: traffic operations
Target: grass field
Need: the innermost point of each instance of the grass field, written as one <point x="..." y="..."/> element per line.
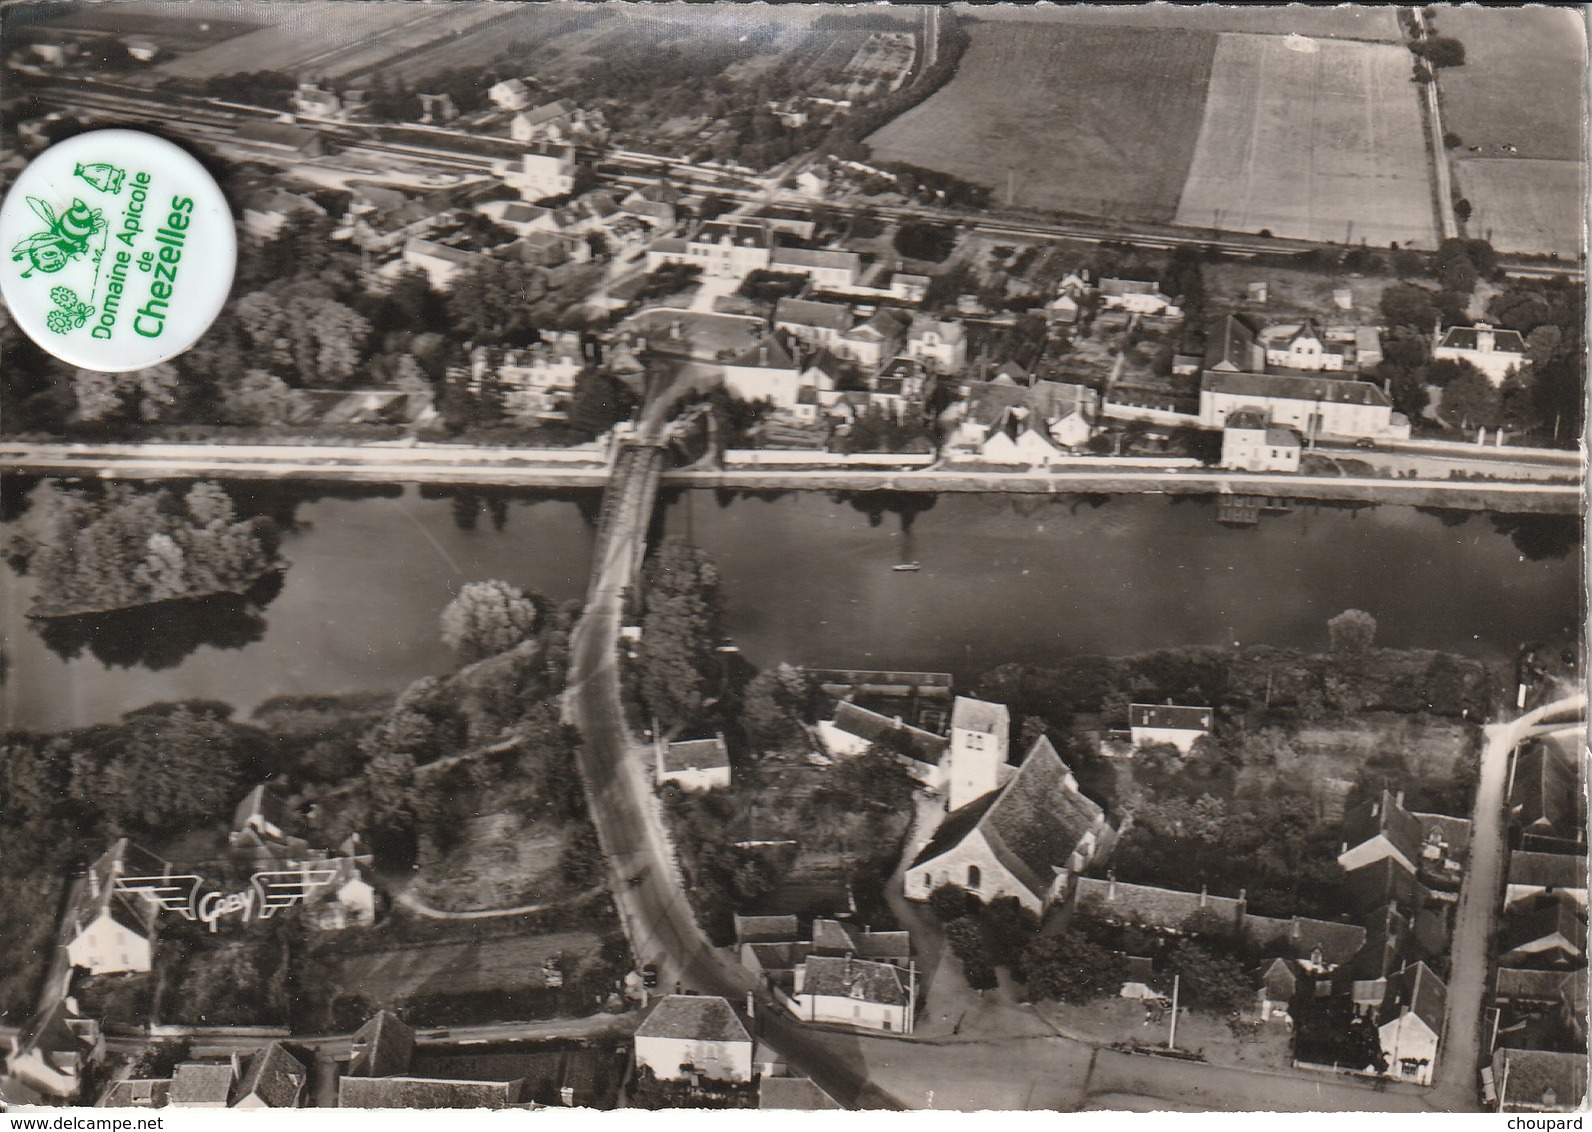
<point x="1093" y="120"/>
<point x="1523" y="82"/>
<point x="294" y="35"/>
<point x="1319" y="143"/>
<point x="1526" y="206"/>
<point x="1345" y="21"/>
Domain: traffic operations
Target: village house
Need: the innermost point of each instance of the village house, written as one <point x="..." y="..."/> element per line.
<point x="54" y="1051"/>
<point x="1024" y="840"/>
<point x="520" y="217"/>
<point x="535" y="382"/>
<point x="1410" y="1023"/>
<point x="274" y="1079"/>
<point x="380" y="218"/>
<point x="542" y="171"/>
<point x="1251" y="443"/>
<point x="1544" y="790"/>
<point x="1302" y="347"/>
<point x="729" y="249"/>
<point x="765" y="372"/>
<point x="694" y="1035"/>
<point x="899" y="389"/>
<point x="260" y="817"/>
<point x="281" y="137"/>
<point x="854" y="729"/>
<point x="870" y="343"/>
<point x="1497" y="353"/>
<point x="840" y="937"/>
<point x="428" y="1093"/>
<point x="793" y="1094"/>
<point x="817" y="324"/>
<point x="1545" y="874"/>
<point x="440" y="263"/>
<point x="1137" y="297"/>
<point x="1009" y="421"/>
<point x="812" y="183"/>
<point x="548" y="122"/>
<point x="1367" y="348"/>
<point x="693" y="764"/>
<point x="829" y="270"/>
<point x="1176" y="724"/>
<point x="1232" y="345"/>
<point x="382" y="1047"/>
<point x="1532" y="1080"/>
<point x="1546" y="932"/>
<point x="267" y="211"/>
<point x="654" y="203"/>
<point x="107" y="929"/>
<point x="855" y="992"/>
<point x="1381" y="828"/>
<point x="136" y="1092"/>
<point x="310" y="101"/>
<point x="510" y="94"/>
<point x="202" y="1084"/>
<point x="1315" y="406"/>
<point x="940" y="345"/>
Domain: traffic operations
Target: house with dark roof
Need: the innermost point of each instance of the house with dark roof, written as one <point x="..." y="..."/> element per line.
<point x="765" y="371"/>
<point x="798" y="1094"/>
<point x="1544" y="788"/>
<point x="546" y="122"/>
<point x="54" y="1050"/>
<point x="1497" y="353"/>
<point x="1232" y="346"/>
<point x="872" y="342"/>
<point x="382" y="1047"/>
<point x="1024" y="840"/>
<point x="764" y="929"/>
<point x="838" y="937"/>
<point x="199" y="1084"/>
<point x="1411" y="1021"/>
<point x="1166" y="910"/>
<point x="1319" y="946"/>
<point x="1251" y="443"/>
<point x="1137" y="297"/>
<point x="1546" y="932"/>
<point x="1545" y="874"/>
<point x="1280" y="980"/>
<point x="829" y="270"/>
<point x="1313" y="406"/>
<point x="1526" y="986"/>
<point x="1177" y="724"/>
<point x="860" y="993"/>
<point x="427" y="1093"/>
<point x="136" y="1092"/>
<point x="854" y="729"/>
<point x="693" y="764"/>
<point x="1533" y="1080"/>
<point x="267" y="211"/>
<point x="261" y="813"/>
<point x="274" y="1079"/>
<point x="689" y="1035"/>
<point x="817" y="324"/>
<point x="993" y="420"/>
<point x="107" y="929"/>
<point x="1377" y="828"/>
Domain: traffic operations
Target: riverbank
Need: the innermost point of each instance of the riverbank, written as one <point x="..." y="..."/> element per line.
<point x="504" y="467"/>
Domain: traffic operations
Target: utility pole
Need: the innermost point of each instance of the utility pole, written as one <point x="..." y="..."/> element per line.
<point x="1171" y="1038"/>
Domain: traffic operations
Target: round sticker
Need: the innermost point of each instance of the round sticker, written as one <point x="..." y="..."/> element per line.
<point x="122" y="250"/>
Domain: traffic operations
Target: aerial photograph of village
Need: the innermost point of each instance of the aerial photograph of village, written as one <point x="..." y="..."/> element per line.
<point x="802" y="557"/>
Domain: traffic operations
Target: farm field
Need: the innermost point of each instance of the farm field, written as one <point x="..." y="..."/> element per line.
<point x="1314" y="139"/>
<point x="151" y="20"/>
<point x="1525" y="206"/>
<point x="1523" y="82"/>
<point x="1094" y="137"/>
<point x="294" y="35"/>
<point x="1343" y="22"/>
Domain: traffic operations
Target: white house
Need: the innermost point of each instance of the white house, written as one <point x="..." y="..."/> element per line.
<point x="765" y="372"/>
<point x="829" y="270"/>
<point x="538" y="381"/>
<point x="870" y="344"/>
<point x="510" y="94"/>
<point x="266" y="213"/>
<point x="543" y="171"/>
<point x="1176" y="724"/>
<point x="940" y="345"/>
<point x="109" y="930"/>
<point x="1315" y="406"/>
<point x="348" y="899"/>
<point x="1302" y="347"/>
<point x="817" y="324"/>
<point x="812" y="183"/>
<point x="260" y="813"/>
<point x="548" y="122"/>
<point x="1496" y="353"/>
<point x="1250" y="443"/>
<point x="730" y="249"/>
<point x="855" y="992"/>
<point x="1410" y="1023"/>
<point x="1024" y="840"/>
<point x="1137" y="297"/>
<point x="688" y="1034"/>
<point x="980" y="744"/>
<point x="440" y="263"/>
<point x="520" y="217"/>
<point x="1009" y="422"/>
<point x="693" y="764"/>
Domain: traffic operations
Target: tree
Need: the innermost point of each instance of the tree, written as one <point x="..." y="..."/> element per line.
<point x="487" y="618"/>
<point x="1471" y="401"/>
<point x="1211" y="981"/>
<point x="168" y="772"/>
<point x="1067" y="967"/>
<point x="1405" y="304"/>
<point x="600" y="401"/>
<point x="262" y="398"/>
<point x="149" y="393"/>
<point x="1443" y="372"/>
<point x="1440" y="51"/>
<point x="875" y="777"/>
<point x="950" y="902"/>
<point x="772" y="708"/>
<point x="1462" y="209"/>
<point x="1352" y="632"/>
<point x="680" y="628"/>
<point x="1453" y="267"/>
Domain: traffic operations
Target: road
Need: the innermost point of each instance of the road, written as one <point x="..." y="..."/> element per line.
<point x="1479" y="899"/>
<point x="1447" y="222"/>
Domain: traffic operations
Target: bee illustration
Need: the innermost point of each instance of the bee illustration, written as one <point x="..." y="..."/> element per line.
<point x="65" y="238"/>
<point x="73" y="314"/>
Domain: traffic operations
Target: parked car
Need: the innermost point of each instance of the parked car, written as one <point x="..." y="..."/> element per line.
<point x="649" y="976"/>
<point x="1366" y="443"/>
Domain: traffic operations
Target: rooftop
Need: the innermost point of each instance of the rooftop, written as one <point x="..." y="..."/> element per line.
<point x="873" y="727"/>
<point x="381" y="1047"/>
<point x="1385" y="816"/>
<point x="765" y="929"/>
<point x="1532" y="1078"/>
<point x="1418" y="988"/>
<point x="1548" y="870"/>
<point x="793" y="1094"/>
<point x="808" y="257"/>
<point x="1467" y="338"/>
<point x="805" y="312"/>
<point x="199" y="1083"/>
<point x="275" y="1076"/>
<point x="1167" y="909"/>
<point x="705" y="1018"/>
<point x="861" y="979"/>
<point x="696" y="754"/>
<point x="1290" y="387"/>
<point x="968" y="714"/>
<point x="1171" y="717"/>
<point x="425" y="1092"/>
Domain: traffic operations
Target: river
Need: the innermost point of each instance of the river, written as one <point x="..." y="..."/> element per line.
<point x="808" y="578"/>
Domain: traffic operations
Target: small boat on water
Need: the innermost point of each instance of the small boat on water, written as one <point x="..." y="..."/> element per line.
<point x="906" y="567"/>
